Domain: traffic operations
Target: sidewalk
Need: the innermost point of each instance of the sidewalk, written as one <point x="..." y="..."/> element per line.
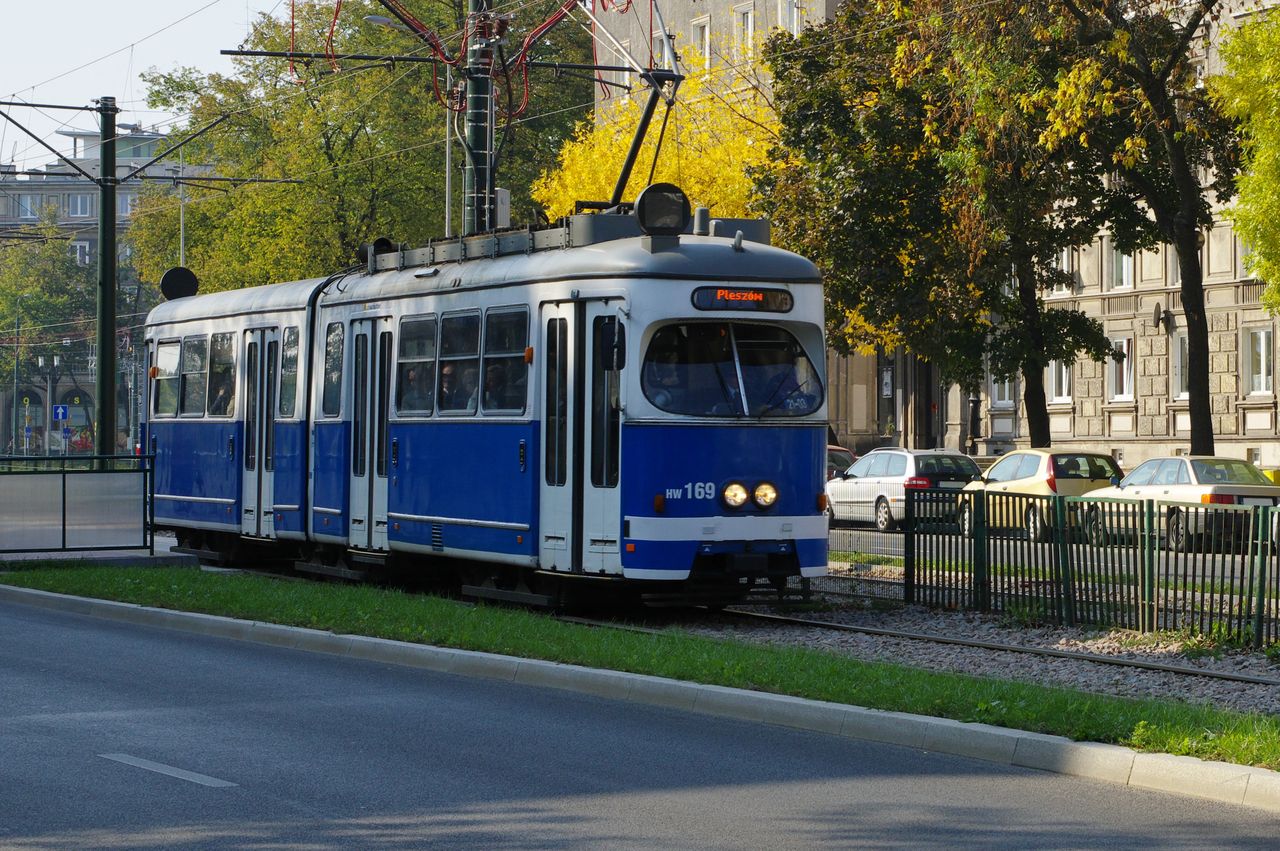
<point x="140" y="556"/>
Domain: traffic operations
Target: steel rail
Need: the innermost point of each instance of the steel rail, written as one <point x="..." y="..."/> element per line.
<point x="1010" y="648"/>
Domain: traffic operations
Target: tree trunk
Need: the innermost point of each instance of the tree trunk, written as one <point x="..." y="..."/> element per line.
<point x="1032" y="369"/>
<point x="1037" y="408"/>
<point x="1199" y="402"/>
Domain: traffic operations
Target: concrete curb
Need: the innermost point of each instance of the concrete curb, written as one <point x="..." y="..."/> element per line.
<point x="1218" y="781"/>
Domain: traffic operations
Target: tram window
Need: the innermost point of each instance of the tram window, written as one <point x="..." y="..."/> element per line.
<point x="268" y="429"/>
<point x="360" y="405"/>
<point x="331" y="398"/>
<point x="222" y="375"/>
<point x="506" y="375"/>
<point x="459" y="363"/>
<point x="251" y="405"/>
<point x="289" y="373"/>
<point x="694" y="369"/>
<point x="167" y="380"/>
<point x="557" y="396"/>
<point x="605" y="419"/>
<point x="195" y="375"/>
<point x="778" y="376"/>
<point x="416" y="366"/>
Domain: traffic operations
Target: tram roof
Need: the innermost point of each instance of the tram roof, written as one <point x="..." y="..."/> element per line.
<point x="588" y="248"/>
<point x="697" y="258"/>
<point x="291" y="295"/>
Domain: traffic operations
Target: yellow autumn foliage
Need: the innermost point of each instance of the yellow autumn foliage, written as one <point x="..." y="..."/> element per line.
<point x="721" y="125"/>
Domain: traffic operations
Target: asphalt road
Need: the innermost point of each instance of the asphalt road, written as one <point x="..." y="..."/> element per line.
<point x="119" y="736"/>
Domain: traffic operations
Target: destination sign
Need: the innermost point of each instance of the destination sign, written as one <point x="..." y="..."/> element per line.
<point x="742" y="298"/>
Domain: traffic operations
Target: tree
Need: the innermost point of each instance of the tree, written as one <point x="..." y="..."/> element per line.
<point x="45" y="291"/>
<point x="1018" y="205"/>
<point x="918" y="128"/>
<point x="1133" y="91"/>
<point x="365" y="140"/>
<point x="1250" y="92"/>
<point x="721" y="126"/>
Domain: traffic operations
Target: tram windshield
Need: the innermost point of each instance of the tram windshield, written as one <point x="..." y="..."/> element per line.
<point x="729" y="369"/>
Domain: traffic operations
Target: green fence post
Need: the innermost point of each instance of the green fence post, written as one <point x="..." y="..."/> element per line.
<point x="1261" y="559"/>
<point x="1150" y="540"/>
<point x="909" y="550"/>
<point x="978" y="527"/>
<point x="1066" y="597"/>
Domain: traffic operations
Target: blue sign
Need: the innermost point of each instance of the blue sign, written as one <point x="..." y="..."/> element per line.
<point x="66" y="432"/>
<point x="59" y="413"/>
<point x="28" y="434"/>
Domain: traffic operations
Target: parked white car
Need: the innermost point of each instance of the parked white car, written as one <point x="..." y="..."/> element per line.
<point x="1184" y="482"/>
<point x="874" y="489"/>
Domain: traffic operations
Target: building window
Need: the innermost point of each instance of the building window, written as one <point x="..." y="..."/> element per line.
<point x="80" y="205"/>
<point x="80" y="251"/>
<point x="702" y="40"/>
<point x="28" y="206"/>
<point x="1067" y="264"/>
<point x="744" y="30"/>
<point x="1243" y="255"/>
<point x="1258" y="361"/>
<point x="789" y="15"/>
<point x="1059" y="381"/>
<point x="1172" y="271"/>
<point x="1002" y="393"/>
<point x="659" y="56"/>
<point x="126" y="203"/>
<point x="1121" y="269"/>
<point x="1121" y="370"/>
<point x="1179" y="375"/>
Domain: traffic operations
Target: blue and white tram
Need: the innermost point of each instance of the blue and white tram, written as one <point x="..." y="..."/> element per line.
<point x="580" y="401"/>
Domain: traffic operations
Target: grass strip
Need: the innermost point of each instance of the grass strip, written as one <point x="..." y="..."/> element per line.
<point x="1167" y="727"/>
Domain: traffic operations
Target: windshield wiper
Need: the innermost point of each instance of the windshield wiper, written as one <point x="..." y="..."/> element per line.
<point x="771" y="406"/>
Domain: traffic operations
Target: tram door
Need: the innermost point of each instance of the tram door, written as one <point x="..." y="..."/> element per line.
<point x="579" y="506"/>
<point x="371" y="397"/>
<point x="261" y="359"/>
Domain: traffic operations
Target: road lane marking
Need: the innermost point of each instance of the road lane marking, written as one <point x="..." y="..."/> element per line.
<point x="160" y="768"/>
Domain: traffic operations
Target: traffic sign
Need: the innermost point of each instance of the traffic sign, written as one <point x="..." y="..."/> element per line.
<point x="59" y="412"/>
<point x="66" y="432"/>
<point x="28" y="432"/>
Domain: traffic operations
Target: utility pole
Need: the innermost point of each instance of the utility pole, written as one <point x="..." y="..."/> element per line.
<point x="477" y="180"/>
<point x="104" y="434"/>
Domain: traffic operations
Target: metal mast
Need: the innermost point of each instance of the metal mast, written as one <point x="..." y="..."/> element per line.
<point x="477" y="182"/>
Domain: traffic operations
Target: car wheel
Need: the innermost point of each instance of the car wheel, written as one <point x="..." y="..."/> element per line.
<point x="884" y="516"/>
<point x="1095" y="527"/>
<point x="1034" y="524"/>
<point x="1177" y="537"/>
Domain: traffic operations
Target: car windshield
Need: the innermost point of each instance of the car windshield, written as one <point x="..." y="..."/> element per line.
<point x="729" y="369"/>
<point x="1228" y="471"/>
<point x="1079" y="466"/>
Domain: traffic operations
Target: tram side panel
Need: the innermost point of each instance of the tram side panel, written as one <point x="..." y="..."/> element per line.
<point x="682" y="469"/>
<point x="197" y="480"/>
<point x="465" y="487"/>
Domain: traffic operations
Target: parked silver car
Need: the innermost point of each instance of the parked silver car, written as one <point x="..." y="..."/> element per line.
<point x="875" y="487"/>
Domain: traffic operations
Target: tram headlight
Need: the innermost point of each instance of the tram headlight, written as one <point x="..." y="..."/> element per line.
<point x="734" y="495"/>
<point x="765" y="495"/>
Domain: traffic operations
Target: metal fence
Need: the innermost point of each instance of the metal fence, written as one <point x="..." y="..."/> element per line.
<point x="76" y="503"/>
<point x="1143" y="565"/>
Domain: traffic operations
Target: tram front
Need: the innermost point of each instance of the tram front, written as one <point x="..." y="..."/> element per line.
<point x="723" y="441"/>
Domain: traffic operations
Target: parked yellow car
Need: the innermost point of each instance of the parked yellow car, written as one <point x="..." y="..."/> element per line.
<point x="1012" y="482"/>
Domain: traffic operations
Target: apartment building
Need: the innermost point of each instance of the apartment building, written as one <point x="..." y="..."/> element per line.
<point x="1135" y="406"/>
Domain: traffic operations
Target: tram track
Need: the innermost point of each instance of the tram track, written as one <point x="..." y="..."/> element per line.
<point x="1045" y="652"/>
